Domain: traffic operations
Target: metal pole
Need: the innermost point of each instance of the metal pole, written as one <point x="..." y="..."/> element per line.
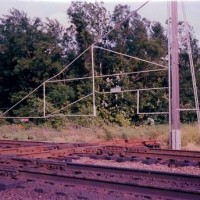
<point x="138" y="101"/>
<point x="169" y="73"/>
<point x="44" y="100"/>
<point x="175" y="132"/>
<point x="194" y="83"/>
<point x="93" y="81"/>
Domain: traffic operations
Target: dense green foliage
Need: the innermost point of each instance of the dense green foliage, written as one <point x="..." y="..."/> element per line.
<point x="32" y="52"/>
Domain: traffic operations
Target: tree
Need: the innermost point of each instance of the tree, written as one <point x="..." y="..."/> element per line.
<point x="29" y="54"/>
<point x="32" y="51"/>
<point x="138" y="37"/>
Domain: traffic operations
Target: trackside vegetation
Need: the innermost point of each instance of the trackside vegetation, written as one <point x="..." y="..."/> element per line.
<point x="33" y="51"/>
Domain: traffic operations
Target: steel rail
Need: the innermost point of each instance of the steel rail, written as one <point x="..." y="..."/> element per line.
<point x="156" y="154"/>
<point x="133" y="190"/>
<point x="152" y="183"/>
<point x="125" y="152"/>
<point x="115" y="174"/>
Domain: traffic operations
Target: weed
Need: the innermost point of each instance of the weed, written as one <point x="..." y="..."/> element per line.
<point x="77" y="133"/>
<point x="16" y="139"/>
<point x="108" y="135"/>
<point x="5" y="137"/>
<point x="30" y="137"/>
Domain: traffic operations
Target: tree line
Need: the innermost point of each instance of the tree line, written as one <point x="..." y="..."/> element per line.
<point x="33" y="51"/>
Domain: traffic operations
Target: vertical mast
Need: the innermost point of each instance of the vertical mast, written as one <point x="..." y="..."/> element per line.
<point x="175" y="96"/>
<point x="93" y="82"/>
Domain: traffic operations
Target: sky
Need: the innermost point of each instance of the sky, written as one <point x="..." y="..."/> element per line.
<point x="56" y="9"/>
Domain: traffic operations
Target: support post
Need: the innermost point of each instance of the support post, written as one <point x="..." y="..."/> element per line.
<point x="93" y="82"/>
<point x="44" y="100"/>
<point x="138" y="101"/>
<point x="192" y="69"/>
<point x="175" y="96"/>
<point x="169" y="71"/>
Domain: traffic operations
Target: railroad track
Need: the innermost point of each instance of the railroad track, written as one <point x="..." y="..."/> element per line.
<point x="152" y="184"/>
<point x="49" y="163"/>
<point x="115" y="152"/>
<point x="149" y="156"/>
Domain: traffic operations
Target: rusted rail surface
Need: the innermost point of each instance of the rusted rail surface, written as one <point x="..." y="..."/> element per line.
<point x="164" y="156"/>
<point x="12" y="144"/>
<point x="123" y="154"/>
<point x="40" y="148"/>
<point x="49" y="162"/>
<point x="114" y="152"/>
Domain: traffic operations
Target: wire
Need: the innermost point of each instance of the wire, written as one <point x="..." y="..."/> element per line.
<point x="100" y="37"/>
<point x="136" y="58"/>
<point x="108" y="75"/>
<point x="72" y="103"/>
<point x="191" y="66"/>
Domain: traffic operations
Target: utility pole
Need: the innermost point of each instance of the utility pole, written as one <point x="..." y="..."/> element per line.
<point x="174" y="66"/>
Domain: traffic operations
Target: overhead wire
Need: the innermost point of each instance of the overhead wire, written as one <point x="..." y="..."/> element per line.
<point x="65" y="68"/>
<point x="189" y="50"/>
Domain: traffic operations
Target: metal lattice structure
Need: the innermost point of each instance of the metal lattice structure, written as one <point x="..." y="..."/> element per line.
<point x="172" y="69"/>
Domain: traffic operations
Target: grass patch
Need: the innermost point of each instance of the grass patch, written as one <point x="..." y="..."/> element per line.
<point x="73" y="133"/>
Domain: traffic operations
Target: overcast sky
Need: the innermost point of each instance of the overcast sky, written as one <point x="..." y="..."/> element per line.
<point x="56" y="9"/>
